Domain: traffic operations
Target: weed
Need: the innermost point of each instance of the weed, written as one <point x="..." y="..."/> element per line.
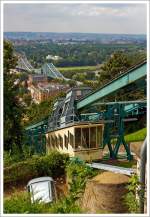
<point x="130" y="198"/>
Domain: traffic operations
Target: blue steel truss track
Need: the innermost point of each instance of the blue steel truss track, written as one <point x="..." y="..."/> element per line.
<point x="131" y="76"/>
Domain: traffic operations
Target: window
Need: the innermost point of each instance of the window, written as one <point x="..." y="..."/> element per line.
<point x="77" y="138"/>
<point x="52" y="141"/>
<point x="55" y="141"/>
<point x="61" y="141"/>
<point x="60" y="111"/>
<point x="85" y="137"/>
<point x="66" y="141"/>
<point x="93" y="137"/>
<point x="65" y="108"/>
<point x="99" y="136"/>
<point x="49" y="141"/>
<point x="71" y="139"/>
<point x="78" y="94"/>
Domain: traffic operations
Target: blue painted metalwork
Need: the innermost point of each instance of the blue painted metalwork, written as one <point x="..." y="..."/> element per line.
<point x="67" y="111"/>
<point x="36" y="136"/>
<point x="115" y="129"/>
<point x="64" y="111"/>
<point x="42" y="124"/>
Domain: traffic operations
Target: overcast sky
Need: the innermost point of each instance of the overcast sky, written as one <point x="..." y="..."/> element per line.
<point x="100" y="18"/>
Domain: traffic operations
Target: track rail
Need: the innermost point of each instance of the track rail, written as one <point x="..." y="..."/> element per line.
<point x="115" y="169"/>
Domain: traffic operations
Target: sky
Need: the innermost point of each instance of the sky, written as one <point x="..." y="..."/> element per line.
<point x="93" y="18"/>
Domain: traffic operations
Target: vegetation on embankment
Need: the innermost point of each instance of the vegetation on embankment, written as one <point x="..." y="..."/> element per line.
<point x="136" y="136"/>
<point x="19" y="202"/>
<point x="53" y="164"/>
<point x="37" y="112"/>
<point x="131" y="198"/>
<point x="78" y="173"/>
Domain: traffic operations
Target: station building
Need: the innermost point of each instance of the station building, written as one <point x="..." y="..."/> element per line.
<point x="69" y="132"/>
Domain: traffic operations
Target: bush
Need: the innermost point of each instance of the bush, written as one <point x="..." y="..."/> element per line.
<point x="20" y="203"/>
<point x="65" y="205"/>
<point x="130" y="198"/>
<point x="78" y="173"/>
<point x="52" y="164"/>
<point x="14" y="155"/>
<point x="49" y="165"/>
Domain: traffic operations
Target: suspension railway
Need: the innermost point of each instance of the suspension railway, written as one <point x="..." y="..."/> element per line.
<point x="85" y="122"/>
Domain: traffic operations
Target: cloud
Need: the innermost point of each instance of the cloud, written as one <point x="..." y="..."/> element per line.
<point x="116" y="18"/>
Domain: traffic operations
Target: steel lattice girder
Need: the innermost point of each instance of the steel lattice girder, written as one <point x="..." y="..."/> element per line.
<point x="118" y="113"/>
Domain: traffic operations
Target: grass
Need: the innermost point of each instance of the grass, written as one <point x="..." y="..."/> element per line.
<point x="78" y="68"/>
<point x="126" y="164"/>
<point x="19" y="203"/>
<point x="136" y="136"/>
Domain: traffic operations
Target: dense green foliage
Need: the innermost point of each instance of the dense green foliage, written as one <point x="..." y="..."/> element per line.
<point x="96" y="76"/>
<point x="80" y="54"/>
<point x="21" y="203"/>
<point x="77" y="171"/>
<point x="10" y="158"/>
<point x="37" y="112"/>
<point x="116" y="64"/>
<point x="130" y="198"/>
<point x="66" y="205"/>
<point x="13" y="110"/>
<point x="49" y="165"/>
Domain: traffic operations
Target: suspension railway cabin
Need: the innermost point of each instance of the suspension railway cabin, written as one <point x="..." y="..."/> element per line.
<point x="69" y="132"/>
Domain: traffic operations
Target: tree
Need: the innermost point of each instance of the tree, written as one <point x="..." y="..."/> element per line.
<point x="12" y="109"/>
<point x="117" y="64"/>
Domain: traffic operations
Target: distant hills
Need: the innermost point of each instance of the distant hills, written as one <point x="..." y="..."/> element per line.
<point x="77" y="37"/>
